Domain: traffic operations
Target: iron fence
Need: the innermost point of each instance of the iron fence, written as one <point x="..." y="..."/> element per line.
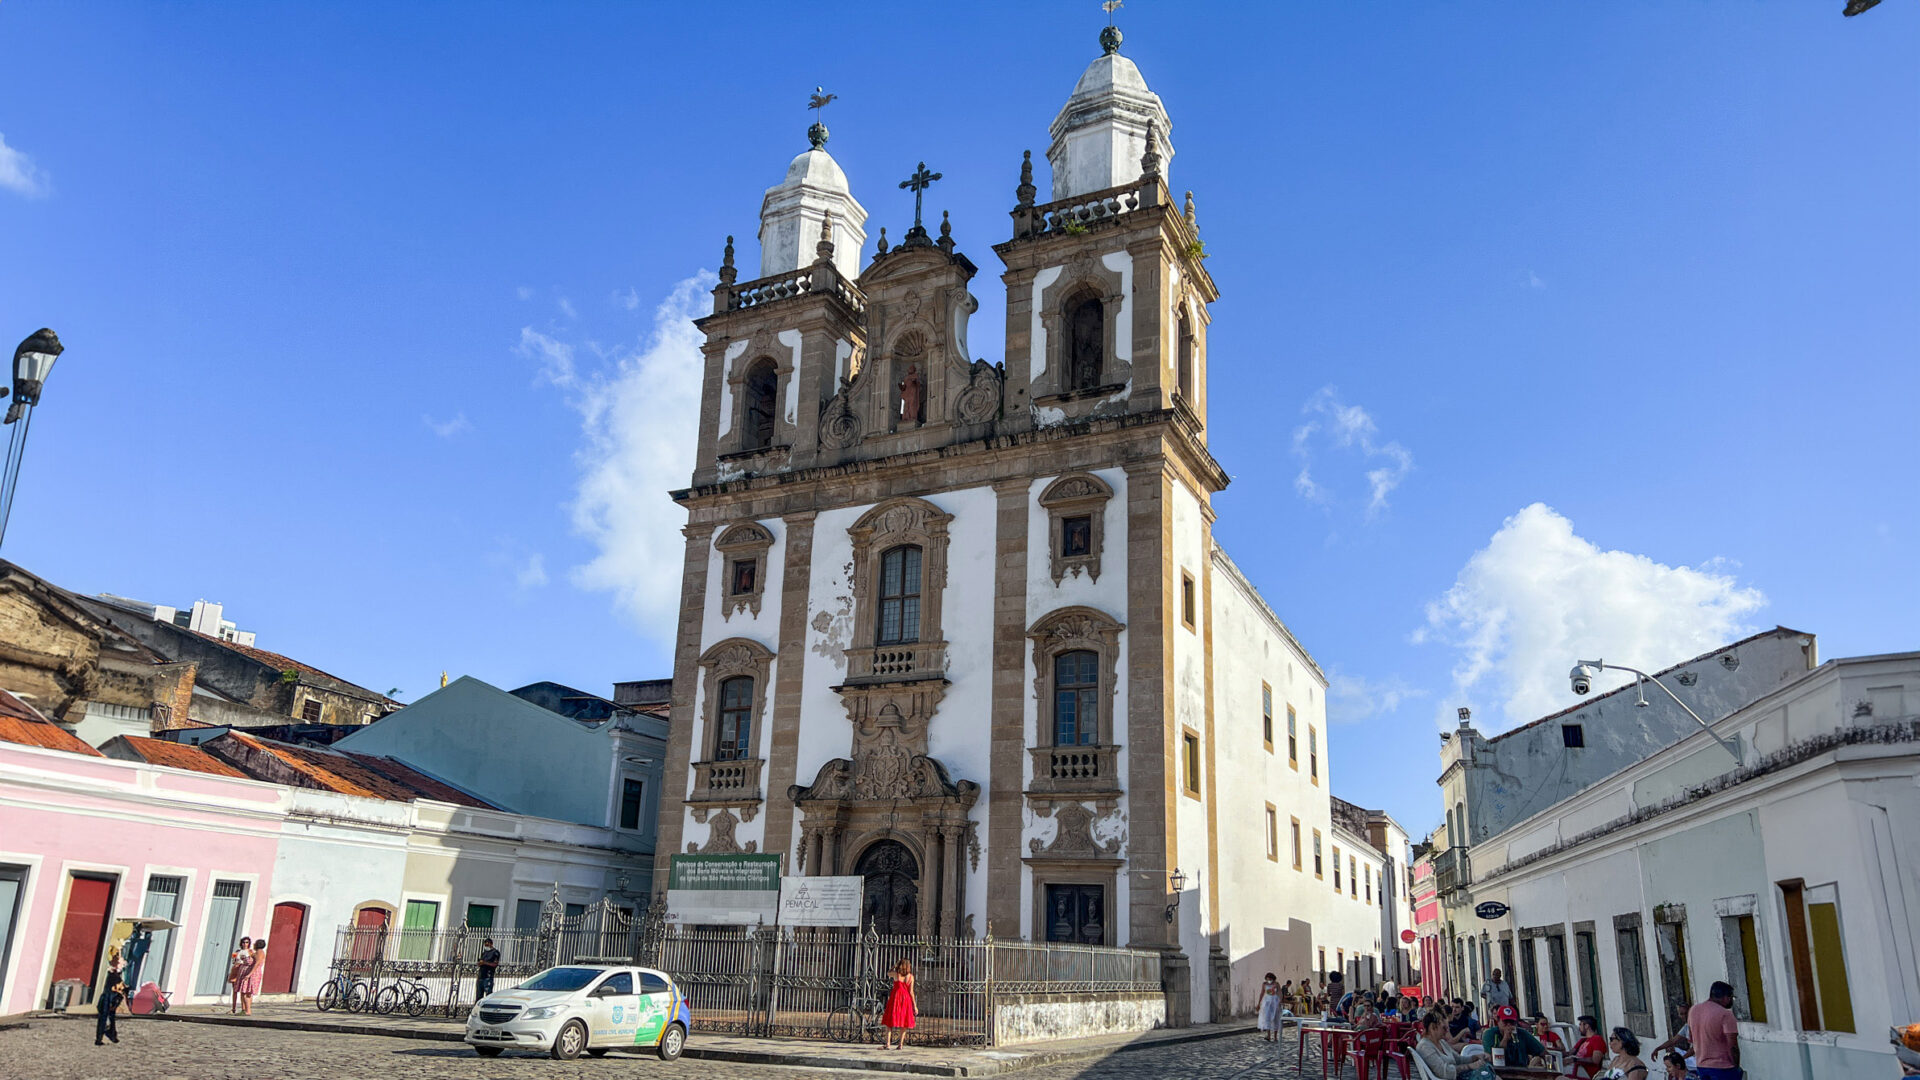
<point x="769" y="981"/>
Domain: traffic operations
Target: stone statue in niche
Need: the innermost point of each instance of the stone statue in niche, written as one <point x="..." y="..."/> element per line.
<point x="913" y="397"/>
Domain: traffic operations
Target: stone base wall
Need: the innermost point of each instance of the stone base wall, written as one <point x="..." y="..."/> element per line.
<point x="1030" y="1018"/>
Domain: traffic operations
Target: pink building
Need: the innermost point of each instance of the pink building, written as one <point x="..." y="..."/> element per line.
<point x="85" y="840"/>
<point x="1426" y="925"/>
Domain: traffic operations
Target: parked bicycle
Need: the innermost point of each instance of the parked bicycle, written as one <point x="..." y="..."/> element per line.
<point x="402" y="991"/>
<point x="343" y="991"/>
<point x="856" y="1021"/>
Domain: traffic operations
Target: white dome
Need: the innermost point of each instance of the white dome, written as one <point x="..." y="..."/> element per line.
<point x="1109" y="73"/>
<point x="816" y="168"/>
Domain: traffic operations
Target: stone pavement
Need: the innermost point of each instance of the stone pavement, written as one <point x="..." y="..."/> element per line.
<point x="151" y="1049"/>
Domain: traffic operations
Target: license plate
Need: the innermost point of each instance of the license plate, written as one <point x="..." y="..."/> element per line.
<point x="486" y="1033"/>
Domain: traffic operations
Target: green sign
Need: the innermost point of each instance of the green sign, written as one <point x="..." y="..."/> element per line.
<point x="728" y="873"/>
<point x="725" y="890"/>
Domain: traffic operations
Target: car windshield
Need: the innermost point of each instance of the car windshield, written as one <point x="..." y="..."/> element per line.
<point x="561" y="978"/>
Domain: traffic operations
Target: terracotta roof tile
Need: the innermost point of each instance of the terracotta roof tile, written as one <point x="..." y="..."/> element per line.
<point x="22" y="723"/>
<point x="359" y="774"/>
<point x="178" y="756"/>
<point x="280" y="662"/>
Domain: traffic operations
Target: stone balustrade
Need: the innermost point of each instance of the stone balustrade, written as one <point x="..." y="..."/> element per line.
<point x="802" y="282"/>
<point x="736" y="781"/>
<point x="897" y="663"/>
<point x="1065" y="215"/>
<point x="1075" y="769"/>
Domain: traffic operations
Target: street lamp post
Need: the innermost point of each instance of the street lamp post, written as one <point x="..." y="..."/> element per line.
<point x="32" y="363"/>
<point x="1582" y="678"/>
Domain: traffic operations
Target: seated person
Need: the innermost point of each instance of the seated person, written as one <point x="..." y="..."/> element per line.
<point x="1507" y="1034"/>
<point x="1464" y="1020"/>
<point x="1439" y="1051"/>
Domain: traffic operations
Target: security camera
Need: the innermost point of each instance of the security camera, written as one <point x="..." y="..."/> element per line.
<point x="1582" y="676"/>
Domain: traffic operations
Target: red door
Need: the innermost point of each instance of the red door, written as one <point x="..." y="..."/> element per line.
<point x="84" y="930"/>
<point x="283" y="948"/>
<point x="369" y="935"/>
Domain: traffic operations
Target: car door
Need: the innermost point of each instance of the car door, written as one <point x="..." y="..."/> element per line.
<point x="613" y="1011"/>
<point x="657" y="1009"/>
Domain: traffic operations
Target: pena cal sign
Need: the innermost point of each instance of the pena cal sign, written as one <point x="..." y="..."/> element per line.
<point x="821" y="901"/>
<point x="724" y="890"/>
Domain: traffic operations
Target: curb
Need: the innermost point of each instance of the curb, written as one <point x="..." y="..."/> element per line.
<point x="1016" y="1060"/>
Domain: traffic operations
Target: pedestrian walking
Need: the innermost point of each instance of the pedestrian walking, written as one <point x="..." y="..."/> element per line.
<point x="1496" y="992"/>
<point x="1716" y="1035"/>
<point x="237" y="966"/>
<point x="1270" y="1007"/>
<point x="107" y="1004"/>
<point x="489" y="966"/>
<point x="256" y="974"/>
<point x="902" y="1008"/>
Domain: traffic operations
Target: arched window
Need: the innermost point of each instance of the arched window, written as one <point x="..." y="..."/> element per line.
<point x="1086" y="343"/>
<point x="1460" y="820"/>
<point x="899" y="596"/>
<point x="1185" y="354"/>
<point x="734" y="741"/>
<point x="762" y="387"/>
<point x="1076" y="698"/>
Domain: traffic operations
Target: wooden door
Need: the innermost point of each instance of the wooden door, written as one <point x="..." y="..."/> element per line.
<point x="83" y="932"/>
<point x="892" y="888"/>
<point x="283" y="948"/>
<point x="1076" y="913"/>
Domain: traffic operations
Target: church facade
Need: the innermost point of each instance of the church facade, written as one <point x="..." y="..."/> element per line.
<point x="962" y="628"/>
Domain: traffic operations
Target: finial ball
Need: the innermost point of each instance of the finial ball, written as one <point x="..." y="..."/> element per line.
<point x="1109" y="40"/>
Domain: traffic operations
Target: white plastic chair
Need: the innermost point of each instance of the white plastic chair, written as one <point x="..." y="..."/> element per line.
<point x="1420" y="1066"/>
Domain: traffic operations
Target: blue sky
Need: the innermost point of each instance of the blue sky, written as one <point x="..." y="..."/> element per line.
<point x="1546" y="329"/>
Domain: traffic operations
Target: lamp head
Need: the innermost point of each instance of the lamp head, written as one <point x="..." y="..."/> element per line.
<point x="1178" y="879"/>
<point x="32" y="362"/>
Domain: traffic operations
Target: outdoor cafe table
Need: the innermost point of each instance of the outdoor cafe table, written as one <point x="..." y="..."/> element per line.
<point x="1325" y="1030"/>
<point x="1527" y="1072"/>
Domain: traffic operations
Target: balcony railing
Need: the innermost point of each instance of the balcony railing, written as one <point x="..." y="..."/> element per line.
<point x="801" y="282"/>
<point x="1451" y="871"/>
<point x="736" y="781"/>
<point x="1074" y="770"/>
<point x="897" y="663"/>
<point x="1080" y="211"/>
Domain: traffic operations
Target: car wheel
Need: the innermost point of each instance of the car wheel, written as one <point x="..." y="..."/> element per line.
<point x="487" y="1051"/>
<point x="571" y="1040"/>
<point x="674" y="1041"/>
<point x="597" y="1053"/>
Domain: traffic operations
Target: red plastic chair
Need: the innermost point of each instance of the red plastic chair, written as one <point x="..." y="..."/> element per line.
<point x="1399" y="1049"/>
<point x="1369" y="1046"/>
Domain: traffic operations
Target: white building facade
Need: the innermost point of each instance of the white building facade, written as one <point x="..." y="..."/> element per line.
<point x="962" y="628"/>
<point x="1790" y="875"/>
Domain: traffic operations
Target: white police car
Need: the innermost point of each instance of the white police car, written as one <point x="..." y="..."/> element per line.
<point x="583" y="1007"/>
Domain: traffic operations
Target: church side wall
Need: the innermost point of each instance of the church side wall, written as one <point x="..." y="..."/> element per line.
<point x="961" y="734"/>
<point x="1187" y="684"/>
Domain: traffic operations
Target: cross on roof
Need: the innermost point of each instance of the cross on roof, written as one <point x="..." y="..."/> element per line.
<point x="918" y="184"/>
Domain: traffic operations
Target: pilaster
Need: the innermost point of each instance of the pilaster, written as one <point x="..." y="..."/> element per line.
<point x="681" y="719"/>
<point x="1008" y="739"/>
<point x="796" y="578"/>
<point x="1153" y="846"/>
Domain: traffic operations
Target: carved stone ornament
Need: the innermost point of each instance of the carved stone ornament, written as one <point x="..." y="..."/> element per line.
<point x="979" y="402"/>
<point x="732" y="658"/>
<point x="1073" y="497"/>
<point x="721" y="840"/>
<point x="839" y="426"/>
<point x="1074" y="836"/>
<point x="743" y="586"/>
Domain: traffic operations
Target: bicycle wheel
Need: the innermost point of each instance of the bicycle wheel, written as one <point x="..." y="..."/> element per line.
<point x="870" y="1025"/>
<point x="385" y="1001"/>
<point x="357" y="997"/>
<point x="843" y="1025"/>
<point x="417" y="1001"/>
<point x="328" y="997"/>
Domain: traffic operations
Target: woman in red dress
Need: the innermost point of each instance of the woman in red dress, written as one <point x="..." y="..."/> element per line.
<point x="901" y="1006"/>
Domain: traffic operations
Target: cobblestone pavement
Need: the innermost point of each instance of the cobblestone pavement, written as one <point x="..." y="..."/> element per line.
<point x="159" y="1050"/>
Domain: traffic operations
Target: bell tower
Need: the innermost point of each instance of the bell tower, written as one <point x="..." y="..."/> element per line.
<point x="1107" y="287"/>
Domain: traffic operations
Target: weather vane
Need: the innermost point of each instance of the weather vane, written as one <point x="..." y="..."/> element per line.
<point x="1110" y="36"/>
<point x="817" y="134"/>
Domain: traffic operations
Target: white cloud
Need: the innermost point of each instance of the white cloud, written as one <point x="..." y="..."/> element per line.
<point x="1351" y="698"/>
<point x="19" y="174"/>
<point x="1349" y="429"/>
<point x="447" y="429"/>
<point x="524" y="292"/>
<point x="566" y="307"/>
<point x="629" y="300"/>
<point x="1535" y="281"/>
<point x="1538" y="597"/>
<point x="533" y="573"/>
<point x="638" y="424"/>
<point x="556" y="357"/>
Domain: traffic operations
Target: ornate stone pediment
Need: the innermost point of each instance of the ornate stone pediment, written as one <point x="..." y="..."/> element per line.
<point x="979" y="400"/>
<point x="1074" y="836"/>
<point x="720" y="841"/>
